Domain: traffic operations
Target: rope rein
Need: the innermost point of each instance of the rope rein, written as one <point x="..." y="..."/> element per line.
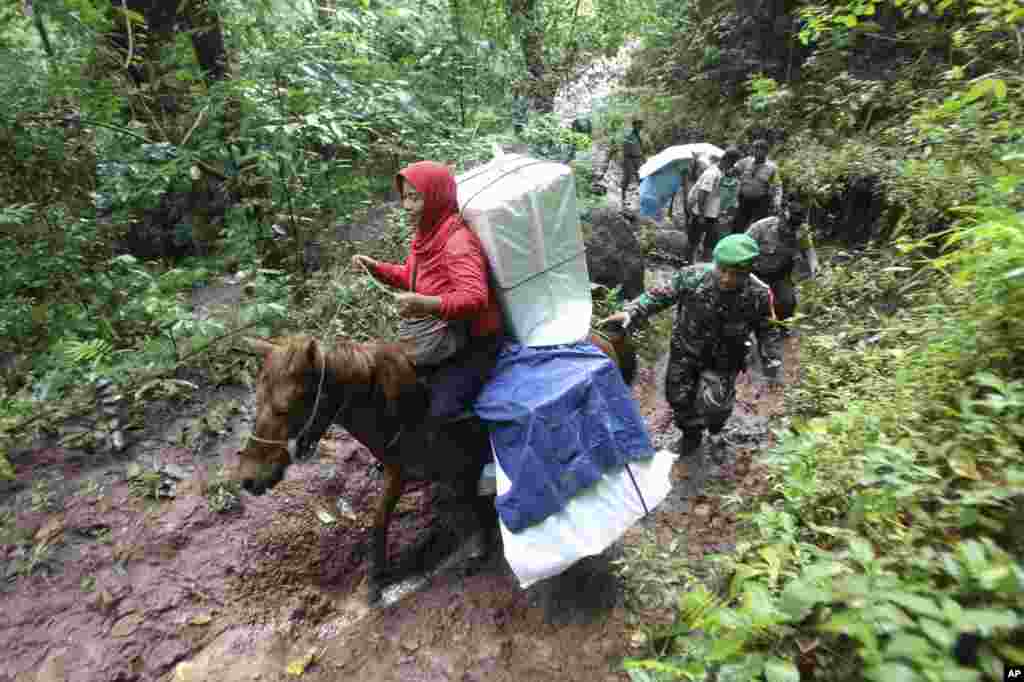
<point x="316" y="404"/>
<point x="316" y="407"/>
<point x="373" y="280"/>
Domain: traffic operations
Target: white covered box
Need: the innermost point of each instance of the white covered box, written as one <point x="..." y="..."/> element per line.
<point x="524" y="211"/>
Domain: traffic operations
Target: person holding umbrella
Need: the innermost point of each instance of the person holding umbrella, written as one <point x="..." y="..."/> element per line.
<point x="706" y="204"/>
<point x="660" y="187"/>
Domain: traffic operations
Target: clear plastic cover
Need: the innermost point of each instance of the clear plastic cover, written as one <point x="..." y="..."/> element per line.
<point x="524" y="211"/>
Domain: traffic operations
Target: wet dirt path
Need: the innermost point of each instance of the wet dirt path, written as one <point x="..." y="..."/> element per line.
<point x="98" y="584"/>
<point x="131" y="589"/>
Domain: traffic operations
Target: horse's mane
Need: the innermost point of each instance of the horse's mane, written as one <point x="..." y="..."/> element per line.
<point x="385" y="365"/>
<point x="348" y="360"/>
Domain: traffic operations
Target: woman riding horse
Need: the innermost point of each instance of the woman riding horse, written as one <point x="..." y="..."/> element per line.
<point x="451" y="319"/>
<point x="454" y="327"/>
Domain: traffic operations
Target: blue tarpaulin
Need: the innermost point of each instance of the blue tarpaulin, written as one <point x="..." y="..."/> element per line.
<point x="657" y="189"/>
<point x="560" y="417"/>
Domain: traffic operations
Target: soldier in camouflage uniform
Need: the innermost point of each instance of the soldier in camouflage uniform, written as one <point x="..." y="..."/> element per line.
<point x="717" y="305"/>
<point x="632" y="149"/>
<point x="779" y="240"/>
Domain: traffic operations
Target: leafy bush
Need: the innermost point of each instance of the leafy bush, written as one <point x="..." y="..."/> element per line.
<point x="886" y="548"/>
<point x="223" y="494"/>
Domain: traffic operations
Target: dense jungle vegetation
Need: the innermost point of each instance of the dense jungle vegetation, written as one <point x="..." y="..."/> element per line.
<point x="148" y="147"/>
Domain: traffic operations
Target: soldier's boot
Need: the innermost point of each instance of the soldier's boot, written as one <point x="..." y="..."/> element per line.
<point x="719" y="446"/>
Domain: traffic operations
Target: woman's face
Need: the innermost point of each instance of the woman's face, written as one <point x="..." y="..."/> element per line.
<point x="412" y="202"/>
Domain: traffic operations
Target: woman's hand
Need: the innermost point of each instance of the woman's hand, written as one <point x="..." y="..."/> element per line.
<point x="417" y="305"/>
<point x="366" y="261"/>
<point x="621" y="318"/>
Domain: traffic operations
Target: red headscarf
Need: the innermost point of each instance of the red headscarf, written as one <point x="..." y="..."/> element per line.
<point x="440" y="202"/>
<point x="449" y="261"/>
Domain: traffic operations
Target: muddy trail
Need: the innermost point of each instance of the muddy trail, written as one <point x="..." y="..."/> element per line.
<point x="116" y="568"/>
<point x="115" y="586"/>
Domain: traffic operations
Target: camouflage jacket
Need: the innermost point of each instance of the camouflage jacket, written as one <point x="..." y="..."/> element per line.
<point x="712" y="326"/>
<point x="779" y="243"/>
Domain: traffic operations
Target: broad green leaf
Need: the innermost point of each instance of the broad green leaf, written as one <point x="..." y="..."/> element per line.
<point x="861" y="551"/>
<point x="987" y="620"/>
<point x="915" y="604"/>
<point x="972" y="554"/>
<point x="892" y="672"/>
<point x="778" y="670"/>
<point x="725" y="648"/>
<point x="798" y="598"/>
<point x="955" y="673"/>
<point x="937" y="632"/>
<point x="903" y="645"/>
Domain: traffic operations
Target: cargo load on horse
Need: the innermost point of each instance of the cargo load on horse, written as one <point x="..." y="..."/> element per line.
<point x="524" y="212"/>
<point x="575" y="467"/>
<point x="572" y="461"/>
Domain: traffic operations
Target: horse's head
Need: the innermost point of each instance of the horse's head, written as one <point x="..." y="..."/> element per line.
<point x="295" y="371"/>
<point x="286" y="391"/>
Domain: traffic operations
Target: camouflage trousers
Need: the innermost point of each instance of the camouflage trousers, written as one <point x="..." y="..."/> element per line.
<point x="700" y="397"/>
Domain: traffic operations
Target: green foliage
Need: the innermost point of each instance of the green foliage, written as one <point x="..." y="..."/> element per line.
<point x="146" y="483"/>
<point x="549" y="139"/>
<point x="6" y="470"/>
<point x="889" y="529"/>
<point x="222" y="494"/>
<point x="42" y="499"/>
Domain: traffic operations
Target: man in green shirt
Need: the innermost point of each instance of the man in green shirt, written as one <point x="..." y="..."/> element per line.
<point x="717" y="306"/>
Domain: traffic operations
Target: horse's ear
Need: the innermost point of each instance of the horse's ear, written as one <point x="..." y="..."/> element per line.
<point x="396" y="378"/>
<point x="259" y="345"/>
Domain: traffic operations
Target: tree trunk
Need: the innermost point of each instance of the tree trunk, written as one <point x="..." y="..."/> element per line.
<point x="524" y="17"/>
<point x="207" y="39"/>
<point x="460" y="73"/>
<point x="162" y="19"/>
<point x="37" y="19"/>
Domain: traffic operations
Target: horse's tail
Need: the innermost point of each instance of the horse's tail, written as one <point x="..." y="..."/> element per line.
<point x="618" y="344"/>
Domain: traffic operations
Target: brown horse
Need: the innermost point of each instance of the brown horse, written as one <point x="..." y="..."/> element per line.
<point x="371" y="390"/>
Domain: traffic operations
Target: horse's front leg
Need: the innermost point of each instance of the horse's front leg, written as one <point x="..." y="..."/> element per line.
<point x="379" y="559"/>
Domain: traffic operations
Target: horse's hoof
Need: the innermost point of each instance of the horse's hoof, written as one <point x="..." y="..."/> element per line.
<point x="478" y="547"/>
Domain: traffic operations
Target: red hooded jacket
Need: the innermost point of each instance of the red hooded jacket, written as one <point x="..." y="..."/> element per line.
<point x="447" y="256"/>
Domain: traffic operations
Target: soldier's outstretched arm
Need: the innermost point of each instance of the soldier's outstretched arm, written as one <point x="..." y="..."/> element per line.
<point x="658" y="299"/>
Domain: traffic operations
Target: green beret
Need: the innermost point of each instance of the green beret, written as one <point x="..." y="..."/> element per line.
<point x="736" y="251"/>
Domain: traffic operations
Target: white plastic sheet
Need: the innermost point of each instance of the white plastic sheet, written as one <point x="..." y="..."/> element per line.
<point x="592" y="520"/>
<point x="524" y="211"/>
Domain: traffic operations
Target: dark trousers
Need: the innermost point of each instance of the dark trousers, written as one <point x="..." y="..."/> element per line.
<point x="784" y="294"/>
<point x="749" y="211"/>
<point x="630" y="171"/>
<point x="701" y="230"/>
<point x="691" y="413"/>
<point x="455" y="383"/>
